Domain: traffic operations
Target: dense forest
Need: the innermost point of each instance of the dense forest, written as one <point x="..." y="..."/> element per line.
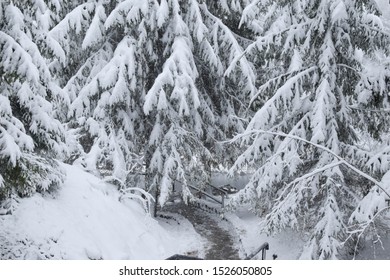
<point x="146" y="93"/>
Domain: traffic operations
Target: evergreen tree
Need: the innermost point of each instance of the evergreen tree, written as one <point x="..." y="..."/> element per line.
<point x="108" y="106"/>
<point x="191" y="102"/>
<point x="304" y="138"/>
<point x="154" y="90"/>
<point x="30" y="135"/>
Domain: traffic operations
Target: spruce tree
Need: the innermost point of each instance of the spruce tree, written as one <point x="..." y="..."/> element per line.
<point x="154" y="91"/>
<point x="303" y="139"/>
<point x="192" y="103"/>
<point x="30" y="135"/>
<point x="102" y="79"/>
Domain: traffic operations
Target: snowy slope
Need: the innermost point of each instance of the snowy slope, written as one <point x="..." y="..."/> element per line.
<point x="85" y="220"/>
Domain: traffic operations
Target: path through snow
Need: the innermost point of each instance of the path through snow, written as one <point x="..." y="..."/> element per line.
<point x="220" y="234"/>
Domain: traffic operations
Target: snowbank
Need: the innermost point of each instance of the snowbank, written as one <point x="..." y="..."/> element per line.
<point x="85" y="220"/>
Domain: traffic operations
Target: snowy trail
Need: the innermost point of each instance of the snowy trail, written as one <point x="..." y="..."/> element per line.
<point x="220" y="234"/>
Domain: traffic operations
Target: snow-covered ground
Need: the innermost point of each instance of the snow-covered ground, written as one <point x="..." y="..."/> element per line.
<point x="86" y="220"/>
<point x="286" y="246"/>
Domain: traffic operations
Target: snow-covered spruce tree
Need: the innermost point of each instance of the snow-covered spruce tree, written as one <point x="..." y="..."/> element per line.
<point x="30" y="136"/>
<point x="304" y="138"/>
<point x="65" y="38"/>
<point x="371" y="107"/>
<point x="189" y="102"/>
<point x="233" y="75"/>
<point x="105" y="85"/>
<point x="172" y="105"/>
<point x="151" y="85"/>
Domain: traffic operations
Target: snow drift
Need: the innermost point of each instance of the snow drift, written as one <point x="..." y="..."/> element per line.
<point x="85" y="220"/>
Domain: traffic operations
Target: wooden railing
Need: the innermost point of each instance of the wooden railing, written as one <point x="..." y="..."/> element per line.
<point x="222" y="201"/>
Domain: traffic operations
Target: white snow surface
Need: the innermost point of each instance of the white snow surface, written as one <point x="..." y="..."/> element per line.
<point x="86" y="220"/>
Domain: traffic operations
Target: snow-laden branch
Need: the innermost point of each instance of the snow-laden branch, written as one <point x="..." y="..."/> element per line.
<point x="362" y="227"/>
<point x="369" y="110"/>
<point x="129" y="193"/>
<point x="237" y="50"/>
<point x="308" y="175"/>
<point x="342" y="161"/>
<point x="349" y="67"/>
<point x="269" y="38"/>
<point x="295" y="78"/>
